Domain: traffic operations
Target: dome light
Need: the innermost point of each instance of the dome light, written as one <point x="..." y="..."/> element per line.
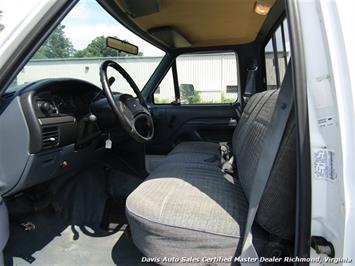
<point x="261" y="8"/>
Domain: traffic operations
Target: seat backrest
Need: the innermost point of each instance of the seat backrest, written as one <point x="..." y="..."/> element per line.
<point x="276" y="212"/>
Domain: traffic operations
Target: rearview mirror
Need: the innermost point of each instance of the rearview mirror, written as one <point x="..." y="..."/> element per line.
<point x="122" y="46"/>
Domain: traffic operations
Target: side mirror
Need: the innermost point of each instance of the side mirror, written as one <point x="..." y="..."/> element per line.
<point x="187" y="92"/>
<point x="122" y="46"/>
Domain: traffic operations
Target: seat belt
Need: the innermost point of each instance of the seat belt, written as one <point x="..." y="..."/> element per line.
<point x="250" y="87"/>
<point x="272" y="141"/>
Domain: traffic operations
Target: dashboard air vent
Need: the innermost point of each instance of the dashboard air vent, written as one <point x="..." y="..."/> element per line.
<point x="50" y="137"/>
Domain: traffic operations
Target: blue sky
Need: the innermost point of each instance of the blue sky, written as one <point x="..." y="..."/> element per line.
<point x="88" y="20"/>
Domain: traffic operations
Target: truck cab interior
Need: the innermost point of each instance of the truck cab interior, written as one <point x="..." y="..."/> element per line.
<point x="96" y="176"/>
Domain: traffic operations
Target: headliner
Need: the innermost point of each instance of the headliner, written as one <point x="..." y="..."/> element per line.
<point x="204" y="23"/>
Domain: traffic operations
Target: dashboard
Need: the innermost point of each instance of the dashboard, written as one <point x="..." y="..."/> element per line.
<point x="48" y="130"/>
<point x="64" y="101"/>
<point x="55" y="111"/>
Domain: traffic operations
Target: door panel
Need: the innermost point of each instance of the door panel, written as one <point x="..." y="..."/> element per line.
<point x="204" y="88"/>
<point x="4" y="229"/>
<point x="177" y="123"/>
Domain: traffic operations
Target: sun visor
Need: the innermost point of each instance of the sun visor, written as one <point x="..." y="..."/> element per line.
<point x="170" y="37"/>
<point x="139" y="8"/>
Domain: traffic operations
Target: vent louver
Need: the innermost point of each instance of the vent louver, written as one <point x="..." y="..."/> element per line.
<point x="50" y="137"/>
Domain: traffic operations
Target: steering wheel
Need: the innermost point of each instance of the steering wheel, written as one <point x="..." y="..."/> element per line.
<point x="132" y="112"/>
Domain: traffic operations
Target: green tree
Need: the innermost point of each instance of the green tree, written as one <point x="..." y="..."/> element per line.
<point x="56" y="46"/>
<point x="98" y="48"/>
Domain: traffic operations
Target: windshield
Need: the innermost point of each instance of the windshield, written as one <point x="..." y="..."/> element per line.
<point x="77" y="47"/>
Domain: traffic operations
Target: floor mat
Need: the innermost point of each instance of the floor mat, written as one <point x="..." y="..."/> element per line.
<point x="54" y="242"/>
<point x="72" y="248"/>
<point x="125" y="253"/>
<point x="94" y="197"/>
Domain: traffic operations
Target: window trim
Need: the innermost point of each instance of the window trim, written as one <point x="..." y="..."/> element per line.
<point x="276" y="59"/>
<point x="176" y="84"/>
<point x="156" y="78"/>
<point x="284" y="41"/>
<point x="304" y="186"/>
<point x="158" y="86"/>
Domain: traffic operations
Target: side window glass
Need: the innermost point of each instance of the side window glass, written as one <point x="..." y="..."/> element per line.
<point x="165" y="93"/>
<point x="283" y="48"/>
<point x="270" y="66"/>
<point x="207" y="78"/>
<point x="279" y="47"/>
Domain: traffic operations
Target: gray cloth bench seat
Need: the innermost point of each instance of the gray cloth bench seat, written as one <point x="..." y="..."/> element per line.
<point x="186" y="207"/>
<point x="196" y="152"/>
<point x="206" y="152"/>
<point x="189" y="207"/>
<point x="191" y="147"/>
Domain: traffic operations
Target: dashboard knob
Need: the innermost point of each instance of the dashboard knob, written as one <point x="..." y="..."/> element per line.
<point x="47" y="108"/>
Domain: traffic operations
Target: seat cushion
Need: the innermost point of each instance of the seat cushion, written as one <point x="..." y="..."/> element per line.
<point x="197" y="158"/>
<point x="192" y="147"/>
<point x="195" y="152"/>
<point x="187" y="209"/>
